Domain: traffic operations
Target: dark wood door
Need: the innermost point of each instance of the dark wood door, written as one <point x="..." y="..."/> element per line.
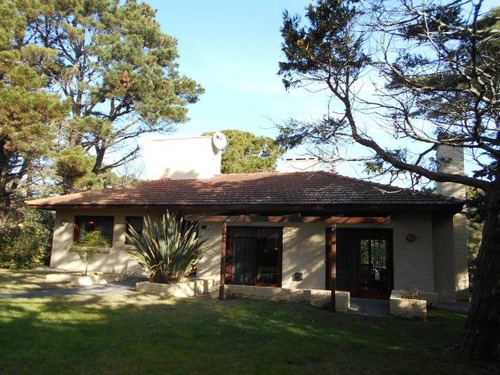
<point x="363" y="262"/>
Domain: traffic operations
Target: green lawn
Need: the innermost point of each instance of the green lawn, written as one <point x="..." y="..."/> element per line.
<point x="140" y="334"/>
<point x="16" y="281"/>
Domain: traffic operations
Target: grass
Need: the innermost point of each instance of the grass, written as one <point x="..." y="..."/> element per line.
<point x="15" y="281"/>
<point x="144" y="334"/>
<point x="140" y="334"/>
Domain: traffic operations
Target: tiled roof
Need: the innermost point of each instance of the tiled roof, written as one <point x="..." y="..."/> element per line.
<point x="299" y="192"/>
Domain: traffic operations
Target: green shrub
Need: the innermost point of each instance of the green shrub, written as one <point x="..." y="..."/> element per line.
<point x="167" y="250"/>
<point x="410" y="293"/>
<point x="90" y="246"/>
<point x="26" y="243"/>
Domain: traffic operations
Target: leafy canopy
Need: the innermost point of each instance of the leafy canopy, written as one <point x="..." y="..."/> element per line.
<point x="424" y="73"/>
<point x="406" y="77"/>
<point x="117" y="70"/>
<point x="30" y="115"/>
<point x="247" y="153"/>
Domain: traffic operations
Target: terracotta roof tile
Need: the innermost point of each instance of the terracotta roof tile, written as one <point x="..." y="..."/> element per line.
<point x="291" y="192"/>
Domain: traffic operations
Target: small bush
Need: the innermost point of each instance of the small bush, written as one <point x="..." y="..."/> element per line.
<point x="26" y="243"/>
<point x="410" y="293"/>
<point x="91" y="245"/>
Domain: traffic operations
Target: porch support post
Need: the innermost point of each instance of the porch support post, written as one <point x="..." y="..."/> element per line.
<point x="223" y="260"/>
<point x="332" y="264"/>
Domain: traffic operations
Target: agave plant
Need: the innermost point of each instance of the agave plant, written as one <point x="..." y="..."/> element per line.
<point x="168" y="250"/>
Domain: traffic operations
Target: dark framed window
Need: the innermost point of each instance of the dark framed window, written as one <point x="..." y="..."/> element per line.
<point x="85" y="224"/>
<point x="136" y="222"/>
<point x="253" y="255"/>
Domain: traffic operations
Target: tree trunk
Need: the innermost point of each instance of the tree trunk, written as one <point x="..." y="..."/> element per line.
<point x="5" y="195"/>
<point x="481" y="337"/>
<point x="99" y="159"/>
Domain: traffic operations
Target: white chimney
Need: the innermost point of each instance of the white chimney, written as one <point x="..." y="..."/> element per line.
<point x="184" y="158"/>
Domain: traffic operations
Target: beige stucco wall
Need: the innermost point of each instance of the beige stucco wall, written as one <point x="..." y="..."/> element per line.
<point x="424" y="264"/>
<point x="113" y="259"/>
<point x="304" y="251"/>
<point x="209" y="265"/>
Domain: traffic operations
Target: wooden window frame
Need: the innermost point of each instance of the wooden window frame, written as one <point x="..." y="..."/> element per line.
<point x="93" y="221"/>
<point x="129" y="222"/>
<point x="229" y="256"/>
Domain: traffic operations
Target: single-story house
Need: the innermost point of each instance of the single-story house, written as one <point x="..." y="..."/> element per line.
<point x="290" y="230"/>
<point x="295" y="230"/>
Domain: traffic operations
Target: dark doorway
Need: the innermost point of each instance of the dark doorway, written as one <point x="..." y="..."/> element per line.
<point x="363" y="261"/>
<point x="253" y="256"/>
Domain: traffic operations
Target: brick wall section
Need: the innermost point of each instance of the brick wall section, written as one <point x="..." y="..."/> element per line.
<point x="451" y="160"/>
<point x="413" y="261"/>
<point x="444" y="265"/>
<point x="460" y="258"/>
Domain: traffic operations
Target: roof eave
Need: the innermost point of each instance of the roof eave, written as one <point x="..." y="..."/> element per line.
<point x="316" y="209"/>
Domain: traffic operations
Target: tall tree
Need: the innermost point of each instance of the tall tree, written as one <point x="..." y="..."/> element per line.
<point x="440" y="67"/>
<point x="119" y="73"/>
<point x="29" y="114"/>
<point x="247" y="153"/>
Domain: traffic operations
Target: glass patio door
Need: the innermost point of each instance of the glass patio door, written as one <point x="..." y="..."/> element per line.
<point x="364" y="262"/>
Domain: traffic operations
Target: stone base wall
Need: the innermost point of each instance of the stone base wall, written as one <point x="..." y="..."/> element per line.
<point x="78" y="279"/>
<point x="180" y="290"/>
<point x="406" y="307"/>
<point x="315" y="297"/>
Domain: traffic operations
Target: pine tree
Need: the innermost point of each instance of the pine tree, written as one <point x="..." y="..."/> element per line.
<point x="119" y="73"/>
<point x="247" y="153"/>
<point x="440" y="63"/>
<point x="29" y="113"/>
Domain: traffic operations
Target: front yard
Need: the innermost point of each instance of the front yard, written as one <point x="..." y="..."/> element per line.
<point x="144" y="334"/>
<point x="16" y="281"/>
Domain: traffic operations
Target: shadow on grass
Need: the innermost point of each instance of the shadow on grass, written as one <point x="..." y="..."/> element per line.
<point x="134" y="334"/>
<point x="14" y="281"/>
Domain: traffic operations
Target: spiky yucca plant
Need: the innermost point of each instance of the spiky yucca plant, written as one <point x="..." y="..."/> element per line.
<point x="168" y="249"/>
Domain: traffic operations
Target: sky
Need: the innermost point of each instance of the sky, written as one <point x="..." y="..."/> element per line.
<point x="232" y="48"/>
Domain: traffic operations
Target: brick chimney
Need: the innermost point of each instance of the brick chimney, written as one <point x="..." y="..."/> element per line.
<point x="450" y="160"/>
